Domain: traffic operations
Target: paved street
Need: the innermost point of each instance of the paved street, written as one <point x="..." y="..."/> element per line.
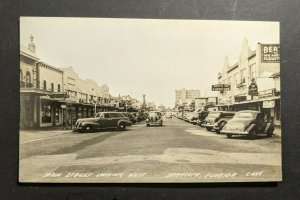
<point x="176" y="152"/>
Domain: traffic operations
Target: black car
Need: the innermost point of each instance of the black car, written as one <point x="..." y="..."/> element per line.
<point x="154" y="118"/>
<point x="201" y="117"/>
<point x="214" y="117"/>
<point x="103" y="120"/>
<point x="222" y="121"/>
<point x="130" y="116"/>
<point x="249" y="123"/>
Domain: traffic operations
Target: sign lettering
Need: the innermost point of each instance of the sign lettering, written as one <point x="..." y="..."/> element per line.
<point x="220" y="87"/>
<point x="270" y="53"/>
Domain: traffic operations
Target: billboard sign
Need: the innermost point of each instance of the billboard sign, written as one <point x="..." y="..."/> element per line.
<point x="270" y="53"/>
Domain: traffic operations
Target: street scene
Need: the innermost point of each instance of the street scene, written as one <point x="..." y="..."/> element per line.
<point x="129" y="100"/>
<point x="175" y="152"/>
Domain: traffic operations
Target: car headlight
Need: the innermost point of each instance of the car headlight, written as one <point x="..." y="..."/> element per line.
<point x="215" y="124"/>
<point x="147" y="119"/>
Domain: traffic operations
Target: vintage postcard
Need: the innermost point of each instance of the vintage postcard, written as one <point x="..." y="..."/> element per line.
<point x="149" y="101"/>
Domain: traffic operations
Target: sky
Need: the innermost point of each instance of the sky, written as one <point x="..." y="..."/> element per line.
<point x="144" y="56"/>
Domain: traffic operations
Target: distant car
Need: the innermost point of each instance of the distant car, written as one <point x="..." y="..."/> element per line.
<point x="154" y="118"/>
<point x="103" y="120"/>
<point x="249" y="123"/>
<point x="168" y="115"/>
<point x="214" y="117"/>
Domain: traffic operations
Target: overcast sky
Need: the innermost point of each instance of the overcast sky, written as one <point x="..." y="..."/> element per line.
<point x="141" y="56"/>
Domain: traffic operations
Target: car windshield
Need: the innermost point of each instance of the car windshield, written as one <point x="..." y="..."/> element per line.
<point x="247" y="115"/>
<point x="216" y="114"/>
<point x="153" y="114"/>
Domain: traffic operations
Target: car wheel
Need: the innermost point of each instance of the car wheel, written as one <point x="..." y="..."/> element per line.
<point x="88" y="129"/>
<point x="148" y="125"/>
<point x="122" y="126"/>
<point x="218" y="131"/>
<point x="253" y="134"/>
<point x="229" y="135"/>
<point x="208" y="128"/>
<point x="222" y="125"/>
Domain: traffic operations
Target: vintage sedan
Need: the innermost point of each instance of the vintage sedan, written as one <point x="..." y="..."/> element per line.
<point x="201" y="117"/>
<point x="222" y="121"/>
<point x="154" y="118"/>
<point x="213" y="117"/>
<point x="103" y="120"/>
<point x="249" y="123"/>
<point x="168" y="115"/>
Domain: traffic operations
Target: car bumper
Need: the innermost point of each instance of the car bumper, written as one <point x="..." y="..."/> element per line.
<point x="208" y="125"/>
<point x="154" y="123"/>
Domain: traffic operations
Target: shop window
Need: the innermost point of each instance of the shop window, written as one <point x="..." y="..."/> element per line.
<point x="46" y="113"/>
<point x="28" y="77"/>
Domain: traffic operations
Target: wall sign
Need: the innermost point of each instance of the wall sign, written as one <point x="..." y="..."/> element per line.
<point x="270" y="53"/>
<point x="240" y="98"/>
<point x="269" y="104"/>
<point x="266" y="93"/>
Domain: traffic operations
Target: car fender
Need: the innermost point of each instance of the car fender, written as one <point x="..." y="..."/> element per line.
<point x="90" y="123"/>
<point x="221" y="120"/>
<point x="268" y="127"/>
<point x="128" y="123"/>
<point x="251" y="127"/>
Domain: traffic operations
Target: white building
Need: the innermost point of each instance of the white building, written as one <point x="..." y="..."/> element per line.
<point x="260" y="65"/>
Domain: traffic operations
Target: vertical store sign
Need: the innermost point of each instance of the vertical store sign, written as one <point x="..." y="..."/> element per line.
<point x="270" y="53"/>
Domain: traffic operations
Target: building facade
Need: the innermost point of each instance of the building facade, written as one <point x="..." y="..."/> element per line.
<point x="29" y="94"/>
<point x="186" y="98"/>
<point x="259" y="68"/>
<point x="206" y="103"/>
<point x="52" y="96"/>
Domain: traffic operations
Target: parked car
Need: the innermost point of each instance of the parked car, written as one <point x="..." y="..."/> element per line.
<point x="201" y="117"/>
<point x="103" y="120"/>
<point x="194" y="118"/>
<point x="130" y="116"/>
<point x="154" y="118"/>
<point x="214" y="117"/>
<point x="168" y="115"/>
<point x="222" y="121"/>
<point x="250" y="123"/>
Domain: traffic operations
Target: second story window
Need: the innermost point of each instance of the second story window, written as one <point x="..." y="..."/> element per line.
<point x="45" y="85"/>
<point x="58" y="88"/>
<point x="52" y="87"/>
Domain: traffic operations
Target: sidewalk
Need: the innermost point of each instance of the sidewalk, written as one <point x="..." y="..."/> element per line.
<point x="41" y="133"/>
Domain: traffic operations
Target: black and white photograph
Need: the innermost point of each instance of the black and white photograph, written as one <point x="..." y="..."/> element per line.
<point x="119" y="100"/>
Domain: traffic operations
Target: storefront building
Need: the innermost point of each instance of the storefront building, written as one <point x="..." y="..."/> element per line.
<point x="29" y="94"/>
<point x="254" y="81"/>
<point x="52" y="96"/>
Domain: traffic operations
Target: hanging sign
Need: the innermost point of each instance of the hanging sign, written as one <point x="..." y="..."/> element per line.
<point x="253" y="90"/>
<point x="220" y="87"/>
